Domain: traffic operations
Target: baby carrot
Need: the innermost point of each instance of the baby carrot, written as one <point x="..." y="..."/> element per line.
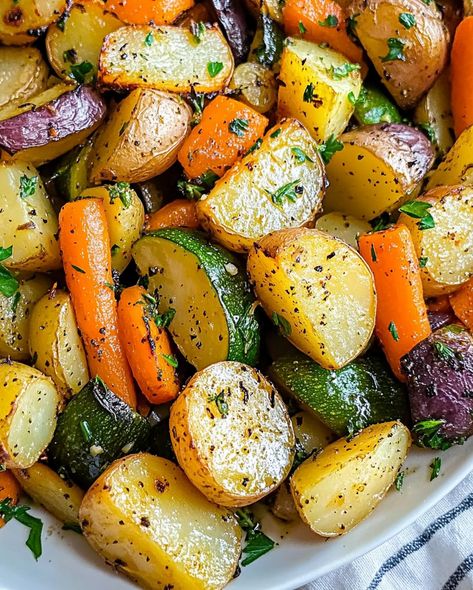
<point x="462" y="75"/>
<point x="401" y="317"/>
<point x="147" y="346"/>
<point x="9" y="488"/>
<point x="85" y="249"/>
<point x="178" y="213"/>
<point x="227" y="130"/>
<point x="462" y="303"/>
<point x="142" y="12"/>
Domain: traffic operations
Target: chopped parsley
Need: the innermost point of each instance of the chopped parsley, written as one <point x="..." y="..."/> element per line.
<point x="72" y="526"/>
<point x="238" y="126"/>
<point x="257" y="543"/>
<point x="423" y="260"/>
<point x="78" y="269"/>
<point x="429" y="131"/>
<point x="198" y="187"/>
<point x="82" y="72"/>
<point x="435" y="466"/>
<point x="149" y="39"/>
<point x="374" y="258"/>
<point x="302" y="28"/>
<point x="308" y="93"/>
<point x="419" y="210"/>
<point x="28" y="186"/>
<point x="328" y="149"/>
<point x="20" y="514"/>
<point x="220" y="402"/>
<point x="301" y="156"/>
<point x="381" y="222"/>
<point x="444" y="352"/>
<point x="289" y="191"/>
<point x="331" y="21"/>
<point x="70" y="56"/>
<point x="396" y="50"/>
<point x="399" y="481"/>
<point x="171" y="360"/>
<point x="282" y="323"/>
<point x="342" y="71"/>
<point x="255" y="146"/>
<point x="427" y="432"/>
<point x="86" y="432"/>
<point x="8" y="283"/>
<point x="163" y="320"/>
<point x="276" y="133"/>
<point x="352" y="98"/>
<point x="121" y="190"/>
<point x="15" y="301"/>
<point x="197" y="30"/>
<point x="214" y="68"/>
<point x="407" y="20"/>
<point x="393" y="330"/>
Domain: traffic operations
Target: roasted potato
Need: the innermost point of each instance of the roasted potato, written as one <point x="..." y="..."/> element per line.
<point x="446" y="248"/>
<point x="28" y="409"/>
<point x="70" y="51"/>
<point x="60" y="497"/>
<point x="315" y="84"/>
<point x="27" y="219"/>
<point x="50" y="124"/>
<point x="344" y="227"/>
<point x="21" y="23"/>
<point x="141" y="138"/>
<point x="279" y="185"/>
<point x="256" y="85"/>
<point x="15" y="315"/>
<point x="318" y="290"/>
<point x="23" y="73"/>
<point x="55" y="343"/>
<point x="468" y="7"/>
<point x="408" y="57"/>
<point x="378" y="167"/>
<point x="125" y="219"/>
<point x="145" y="518"/>
<point x="231" y="434"/>
<point x="457" y="166"/>
<point x="339" y="487"/>
<point x="166" y="58"/>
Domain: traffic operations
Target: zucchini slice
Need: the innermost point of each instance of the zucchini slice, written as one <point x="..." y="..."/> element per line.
<point x="206" y="286"/>
<point x="96" y="428"/>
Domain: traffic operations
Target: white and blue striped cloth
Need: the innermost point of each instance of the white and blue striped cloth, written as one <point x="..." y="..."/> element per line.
<point x="435" y="553"/>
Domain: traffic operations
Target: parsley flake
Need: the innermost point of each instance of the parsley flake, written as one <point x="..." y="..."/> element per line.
<point x="82" y="72"/>
<point x="419" y="210"/>
<point x="257" y="543"/>
<point x="301" y="156"/>
<point x="328" y="149"/>
<point x="197" y="30"/>
<point x="149" y="39"/>
<point x="78" y="269"/>
<point x="220" y="402"/>
<point x="162" y="320"/>
<point x="171" y="360"/>
<point x="423" y="260"/>
<point x="85" y="430"/>
<point x="8" y="283"/>
<point x="396" y="50"/>
<point x="28" y="186"/>
<point x="282" y="323"/>
<point x="435" y="466"/>
<point x="302" y="28"/>
<point x="238" y="126"/>
<point x="444" y="352"/>
<point x="407" y="20"/>
<point x="399" y="481"/>
<point x="374" y="258"/>
<point x="308" y="93"/>
<point x="121" y="190"/>
<point x="331" y="21"/>
<point x="343" y="71"/>
<point x="214" y="68"/>
<point x="427" y="432"/>
<point x="393" y="330"/>
<point x="20" y="513"/>
<point x="289" y="191"/>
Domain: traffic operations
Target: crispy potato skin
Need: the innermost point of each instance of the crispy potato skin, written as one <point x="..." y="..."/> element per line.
<point x="21" y="24"/>
<point x="339" y="487"/>
<point x="425" y="49"/>
<point x="237" y="458"/>
<point x="145" y="518"/>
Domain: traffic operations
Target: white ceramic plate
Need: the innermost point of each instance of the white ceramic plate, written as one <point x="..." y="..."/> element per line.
<point x="68" y="562"/>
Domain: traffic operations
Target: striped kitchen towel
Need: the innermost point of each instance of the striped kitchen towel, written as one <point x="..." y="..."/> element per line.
<point x="435" y="553"/>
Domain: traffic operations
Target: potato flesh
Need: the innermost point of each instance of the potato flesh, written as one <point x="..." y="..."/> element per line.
<point x="170" y="535"/>
<point x="23" y="73"/>
<point x="240" y="208"/>
<point x="329" y="111"/>
<point x="457" y="166"/>
<point x="338" y="488"/>
<point x="170" y="60"/>
<point x="17" y="21"/>
<point x="238" y="458"/>
<point x="344" y="227"/>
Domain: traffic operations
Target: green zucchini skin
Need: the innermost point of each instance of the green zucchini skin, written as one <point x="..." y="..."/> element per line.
<point x="373" y="107"/>
<point x="71" y="176"/>
<point x="112" y="425"/>
<point x="362" y="393"/>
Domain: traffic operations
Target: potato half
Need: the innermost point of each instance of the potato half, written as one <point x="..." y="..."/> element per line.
<point x="344" y="227"/>
<point x="378" y="167"/>
<point x="232" y="434"/>
<point x="339" y="487"/>
<point x="457" y="166"/>
<point x="279" y="185"/>
<point x="446" y="250"/>
<point x="145" y="518"/>
<point x="28" y="410"/>
<point x="318" y="290"/>
<point x="141" y="138"/>
<point x="23" y="22"/>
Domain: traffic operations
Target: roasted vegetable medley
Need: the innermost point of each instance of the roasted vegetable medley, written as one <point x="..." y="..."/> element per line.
<point x="236" y="267"/>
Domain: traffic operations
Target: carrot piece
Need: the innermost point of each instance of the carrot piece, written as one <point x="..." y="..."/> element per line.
<point x="142" y="12"/>
<point x="441" y="303"/>
<point x="178" y="213"/>
<point x="148" y="348"/>
<point x="85" y="249"/>
<point x="462" y="75"/>
<point x="401" y="316"/>
<point x="9" y="488"/>
<point x="321" y="21"/>
<point x="227" y="130"/>
<point x="462" y="303"/>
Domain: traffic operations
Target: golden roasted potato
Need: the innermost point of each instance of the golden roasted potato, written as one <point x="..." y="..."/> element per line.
<point x="318" y="290"/>
<point x="315" y="84"/>
<point x="60" y="497"/>
<point x="378" y="167"/>
<point x="28" y="221"/>
<point x="15" y="315"/>
<point x="28" y="410"/>
<point x="339" y="487"/>
<point x="445" y="249"/>
<point x="457" y="166"/>
<point x="166" y="58"/>
<point x="232" y="434"/>
<point x="23" y="22"/>
<point x="257" y="86"/>
<point x="408" y="54"/>
<point x="55" y="343"/>
<point x="145" y="518"/>
<point x="279" y="185"/>
<point x="141" y="138"/>
<point x="125" y="219"/>
<point x="468" y="7"/>
<point x="79" y="39"/>
<point x="344" y="227"/>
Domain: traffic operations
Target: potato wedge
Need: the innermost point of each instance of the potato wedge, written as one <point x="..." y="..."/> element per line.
<point x="55" y="343"/>
<point x="125" y="219"/>
<point x="28" y="410"/>
<point x="314" y="86"/>
<point x="22" y="23"/>
<point x="379" y="167"/>
<point x="142" y="137"/>
<point x="69" y="48"/>
<point x="447" y="248"/>
<point x="408" y="59"/>
<point x="145" y="518"/>
<point x="61" y="497"/>
<point x="50" y="124"/>
<point x="279" y="185"/>
<point x="232" y="434"/>
<point x="15" y="315"/>
<point x="257" y="86"/>
<point x="344" y="227"/>
<point x="23" y="73"/>
<point x="28" y="221"/>
<point x="457" y="166"/>
<point x="318" y="290"/>
<point x="166" y="58"/>
<point x="339" y="487"/>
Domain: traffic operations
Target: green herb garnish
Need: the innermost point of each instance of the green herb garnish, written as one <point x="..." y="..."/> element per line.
<point x="289" y="191"/>
<point x="171" y="360"/>
<point x="373" y="253"/>
<point x="302" y="28"/>
<point x="162" y="320"/>
<point x="214" y="68"/>
<point x="393" y="330"/>
<point x="81" y="72"/>
<point x="407" y="20"/>
<point x="149" y="39"/>
<point x="308" y="93"/>
<point x="396" y="50"/>
<point x="328" y="149"/>
<point x="399" y="481"/>
<point x="86" y="432"/>
<point x="342" y="71"/>
<point x="427" y="432"/>
<point x="435" y="466"/>
<point x="276" y="133"/>
<point x="423" y="260"/>
<point x="238" y="126"/>
<point x="78" y="269"/>
<point x="419" y="210"/>
<point x="220" y="402"/>
<point x="8" y="283"/>
<point x="255" y="146"/>
<point x="28" y="186"/>
<point x="331" y="21"/>
<point x="121" y="190"/>
<point x="197" y="30"/>
<point x="444" y="352"/>
<point x="20" y="513"/>
<point x="257" y="543"/>
<point x="301" y="156"/>
<point x="282" y="323"/>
